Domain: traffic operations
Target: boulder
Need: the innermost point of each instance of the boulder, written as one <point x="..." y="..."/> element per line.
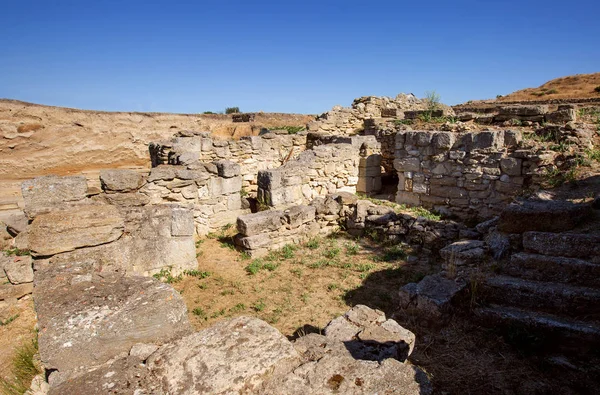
<point x="542" y="216"/>
<point x="80" y="226"/>
<point x="120" y="180"/>
<point x="43" y="194"/>
<point x="229" y="357"/>
<point x="331" y="368"/>
<point x="432" y="297"/>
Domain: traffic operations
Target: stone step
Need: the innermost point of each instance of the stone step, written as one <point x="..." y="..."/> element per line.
<point x="573" y="245"/>
<point x="555" y="298"/>
<point x="551" y="268"/>
<point x="558" y="332"/>
<point x="545" y="216"/>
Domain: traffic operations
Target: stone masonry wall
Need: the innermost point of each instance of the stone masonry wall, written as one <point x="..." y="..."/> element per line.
<point x="252" y="153"/>
<point x="469" y="175"/>
<point x="264" y="231"/>
<point x="322" y="170"/>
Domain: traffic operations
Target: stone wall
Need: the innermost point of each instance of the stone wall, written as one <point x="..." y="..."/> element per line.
<point x="264" y="231"/>
<point x="211" y="190"/>
<point x="352" y="166"/>
<point x="518" y="114"/>
<point x="252" y="153"/>
<point x="469" y="175"/>
<point x="349" y="120"/>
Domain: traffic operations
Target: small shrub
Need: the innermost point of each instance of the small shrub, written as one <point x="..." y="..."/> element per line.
<point x="270" y="266"/>
<point x="287" y="251"/>
<point x="593" y="154"/>
<point x="364" y="267"/>
<point x="259" y="306"/>
<point x="166" y="277"/>
<point x="403" y="122"/>
<point x="332" y="252"/>
<point x="351" y="249"/>
<point x="597" y="89"/>
<point x="297" y="271"/>
<point x="313" y="243"/>
<point x="197" y="273"/>
<point x="394" y="253"/>
<point x="200" y="313"/>
<point x="17" y="252"/>
<point x="499" y="96"/>
<point x="551" y="91"/>
<point x="332" y="287"/>
<point x="254" y="267"/>
<point x="232" y="110"/>
<point x="208" y="112"/>
<point x="238" y="308"/>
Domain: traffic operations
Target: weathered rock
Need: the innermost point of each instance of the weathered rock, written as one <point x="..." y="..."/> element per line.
<point x="231" y="356"/>
<point x="126" y="199"/>
<point x="121" y="180"/>
<point x="43" y="194"/>
<point x="543" y="216"/>
<point x="498" y="244"/>
<point x="331" y="368"/>
<point x="18" y="269"/>
<point x="11" y="292"/>
<point x="149" y="244"/>
<point x="432" y="297"/>
<point x="299" y="215"/>
<point x="227" y="168"/>
<point x="16" y="223"/>
<point x="485" y="226"/>
<point x="80" y="226"/>
<point x="464" y="252"/>
<point x="85" y="320"/>
<point x="572" y="245"/>
<point x="264" y="221"/>
<point x="182" y="222"/>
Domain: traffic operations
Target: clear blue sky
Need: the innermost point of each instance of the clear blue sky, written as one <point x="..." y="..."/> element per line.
<point x="284" y="56"/>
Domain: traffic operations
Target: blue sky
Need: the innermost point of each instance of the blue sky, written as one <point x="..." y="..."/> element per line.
<point x="284" y="56"/>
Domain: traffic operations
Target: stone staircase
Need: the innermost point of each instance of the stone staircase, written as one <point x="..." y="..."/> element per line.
<point x="550" y="289"/>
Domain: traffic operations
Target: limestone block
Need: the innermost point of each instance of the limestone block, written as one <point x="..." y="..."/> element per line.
<point x="511" y="166"/>
<point x="407" y="164"/>
<point x="227" y="169"/>
<point x="448" y="192"/>
<point x="43" y="194"/>
<point x="432" y="297"/>
<point x="182" y="222"/>
<point x="16" y="223"/>
<point x="127" y="199"/>
<point x="524" y="110"/>
<point x="544" y="216"/>
<point x="269" y="179"/>
<point x="94" y="319"/>
<point x="120" y="180"/>
<point x="512" y="138"/>
<point x="18" y="269"/>
<point x="464" y="252"/>
<point x="443" y="140"/>
<point x="298" y="215"/>
<point x="488" y="139"/>
<point x="369" y="184"/>
<point x="162" y="172"/>
<point x="77" y="227"/>
<point x="264" y="221"/>
<point x="253" y="242"/>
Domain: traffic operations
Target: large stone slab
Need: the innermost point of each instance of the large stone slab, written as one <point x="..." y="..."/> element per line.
<point x="229" y="357"/>
<point x="86" y="319"/>
<point x="264" y="221"/>
<point x="572" y="245"/>
<point x="18" y="269"/>
<point x="155" y="238"/>
<point x="543" y="216"/>
<point x="121" y="180"/>
<point x="76" y="227"/>
<point x="44" y="194"/>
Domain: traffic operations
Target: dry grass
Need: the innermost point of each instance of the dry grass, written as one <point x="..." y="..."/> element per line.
<point x="580" y="86"/>
<point x="296" y="287"/>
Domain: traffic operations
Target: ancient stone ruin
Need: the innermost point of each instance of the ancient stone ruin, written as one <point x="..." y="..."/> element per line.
<point x="106" y="326"/>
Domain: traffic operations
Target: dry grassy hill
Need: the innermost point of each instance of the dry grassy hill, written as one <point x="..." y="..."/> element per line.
<point x="579" y="86"/>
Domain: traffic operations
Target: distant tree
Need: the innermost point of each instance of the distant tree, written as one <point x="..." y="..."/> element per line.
<point x="232" y="110"/>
